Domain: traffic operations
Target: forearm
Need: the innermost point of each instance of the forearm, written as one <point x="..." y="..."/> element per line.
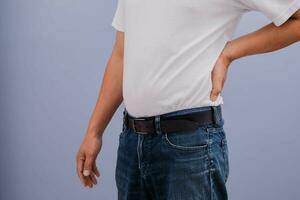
<point x="267" y="39"/>
<point x="109" y="98"/>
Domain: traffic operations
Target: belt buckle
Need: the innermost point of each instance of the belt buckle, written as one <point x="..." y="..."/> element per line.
<point x="137" y="119"/>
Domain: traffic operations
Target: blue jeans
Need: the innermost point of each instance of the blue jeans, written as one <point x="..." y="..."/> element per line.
<point x="184" y="165"/>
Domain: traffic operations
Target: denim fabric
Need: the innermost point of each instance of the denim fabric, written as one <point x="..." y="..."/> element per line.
<point x="185" y="165"/>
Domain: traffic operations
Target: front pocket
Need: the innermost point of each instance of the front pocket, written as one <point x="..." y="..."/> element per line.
<point x="187" y="140"/>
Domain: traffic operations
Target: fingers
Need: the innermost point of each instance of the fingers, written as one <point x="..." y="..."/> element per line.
<point x="79" y="169"/>
<point x="95" y="170"/>
<point x="218" y="80"/>
<point x="88" y="171"/>
<point x="93" y="178"/>
<point x="216" y="88"/>
<point x="88" y="165"/>
<point x="214" y="94"/>
<point x="80" y="163"/>
<point x="85" y="180"/>
<point x="94" y="173"/>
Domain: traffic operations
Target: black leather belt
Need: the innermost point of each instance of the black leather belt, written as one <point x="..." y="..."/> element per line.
<point x="183" y="122"/>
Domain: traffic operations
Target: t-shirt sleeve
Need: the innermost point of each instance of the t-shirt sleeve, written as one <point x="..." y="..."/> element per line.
<point x="278" y="11"/>
<point x="118" y="21"/>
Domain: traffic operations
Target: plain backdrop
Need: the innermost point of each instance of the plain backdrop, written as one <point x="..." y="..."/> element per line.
<point x="52" y="57"/>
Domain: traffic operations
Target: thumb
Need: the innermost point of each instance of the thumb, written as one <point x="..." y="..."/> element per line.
<point x="216" y="90"/>
<point x="88" y="165"/>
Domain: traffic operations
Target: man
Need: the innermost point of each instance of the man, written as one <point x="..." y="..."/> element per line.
<point x="169" y="64"/>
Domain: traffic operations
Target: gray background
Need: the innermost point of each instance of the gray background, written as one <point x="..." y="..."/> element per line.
<point x="52" y="57"/>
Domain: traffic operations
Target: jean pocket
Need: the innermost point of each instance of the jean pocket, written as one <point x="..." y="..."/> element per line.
<point x="187" y="140"/>
<point x="225" y="156"/>
<point x="217" y="133"/>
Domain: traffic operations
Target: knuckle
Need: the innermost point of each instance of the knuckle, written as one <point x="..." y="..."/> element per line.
<point x="78" y="158"/>
<point x="216" y="91"/>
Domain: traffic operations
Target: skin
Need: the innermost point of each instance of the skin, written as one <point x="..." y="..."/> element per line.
<point x="266" y="39"/>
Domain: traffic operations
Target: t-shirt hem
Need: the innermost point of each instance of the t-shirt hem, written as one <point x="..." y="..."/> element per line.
<point x="117" y="26"/>
<point x="177" y="108"/>
<point x="285" y="15"/>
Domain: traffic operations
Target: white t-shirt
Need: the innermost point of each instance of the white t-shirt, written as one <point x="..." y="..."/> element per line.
<point x="171" y="47"/>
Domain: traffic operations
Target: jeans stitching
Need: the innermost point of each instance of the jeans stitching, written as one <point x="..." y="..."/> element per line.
<point x="225" y="155"/>
<point x="187" y="148"/>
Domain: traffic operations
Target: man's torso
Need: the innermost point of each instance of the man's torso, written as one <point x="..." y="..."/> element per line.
<point x="170" y="50"/>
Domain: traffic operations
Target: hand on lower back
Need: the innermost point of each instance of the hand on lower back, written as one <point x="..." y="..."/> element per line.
<point x="219" y="74"/>
<point x="86" y="160"/>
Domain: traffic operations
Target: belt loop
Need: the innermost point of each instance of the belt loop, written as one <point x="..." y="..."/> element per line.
<point x="157" y="124"/>
<point x="124" y="119"/>
<point x="221" y="115"/>
<point x="217" y="115"/>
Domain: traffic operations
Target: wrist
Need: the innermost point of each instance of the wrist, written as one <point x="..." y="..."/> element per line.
<point x="228" y="53"/>
<point x="94" y="133"/>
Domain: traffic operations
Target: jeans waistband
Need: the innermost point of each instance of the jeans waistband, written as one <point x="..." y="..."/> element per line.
<point x="217" y="114"/>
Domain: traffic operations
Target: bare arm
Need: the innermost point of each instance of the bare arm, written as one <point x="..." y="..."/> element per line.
<point x="266" y="39"/>
<point x="109" y="99"/>
<point x="110" y="95"/>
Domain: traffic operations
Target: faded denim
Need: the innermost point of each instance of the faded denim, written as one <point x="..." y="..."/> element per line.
<point x="186" y="165"/>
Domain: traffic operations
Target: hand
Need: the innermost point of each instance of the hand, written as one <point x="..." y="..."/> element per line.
<point x="219" y="73"/>
<point x="86" y="160"/>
